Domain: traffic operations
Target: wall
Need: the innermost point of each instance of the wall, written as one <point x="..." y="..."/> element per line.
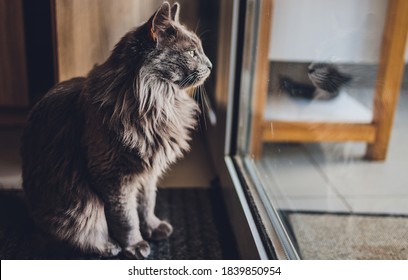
<point x="13" y="75"/>
<point x="343" y="31"/>
<point x="87" y="30"/>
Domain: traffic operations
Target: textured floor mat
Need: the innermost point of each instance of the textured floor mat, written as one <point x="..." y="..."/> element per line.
<point x="201" y="228"/>
<point x="341" y="236"/>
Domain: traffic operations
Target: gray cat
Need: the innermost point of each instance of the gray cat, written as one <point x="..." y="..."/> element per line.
<point x="327" y="79"/>
<point x="95" y="146"/>
<point x="327" y="82"/>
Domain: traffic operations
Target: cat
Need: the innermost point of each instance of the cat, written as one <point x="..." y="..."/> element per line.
<point x="296" y="89"/>
<point x="326" y="80"/>
<point x="95" y="146"/>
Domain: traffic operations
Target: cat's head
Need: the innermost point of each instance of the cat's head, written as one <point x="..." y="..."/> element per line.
<point x="326" y="76"/>
<point x="175" y="54"/>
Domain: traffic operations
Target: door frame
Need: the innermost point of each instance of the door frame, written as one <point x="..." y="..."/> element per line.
<point x="250" y="245"/>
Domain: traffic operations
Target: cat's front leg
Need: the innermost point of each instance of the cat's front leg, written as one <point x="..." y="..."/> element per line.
<point x="152" y="227"/>
<point x="123" y="222"/>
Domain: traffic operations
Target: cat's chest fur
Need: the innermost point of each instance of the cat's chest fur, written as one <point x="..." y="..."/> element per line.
<point x="150" y="142"/>
<point x="162" y="137"/>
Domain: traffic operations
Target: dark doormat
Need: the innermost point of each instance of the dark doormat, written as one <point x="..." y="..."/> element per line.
<point x="201" y="228"/>
<point x="348" y="236"/>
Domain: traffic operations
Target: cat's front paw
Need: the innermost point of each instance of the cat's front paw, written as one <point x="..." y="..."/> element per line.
<point x="139" y="251"/>
<point x="111" y="250"/>
<point x="162" y="231"/>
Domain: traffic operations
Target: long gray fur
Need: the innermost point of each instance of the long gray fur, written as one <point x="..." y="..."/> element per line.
<point x="94" y="147"/>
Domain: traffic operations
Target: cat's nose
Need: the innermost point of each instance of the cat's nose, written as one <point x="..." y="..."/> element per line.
<point x="209" y="65"/>
<point x="311" y="70"/>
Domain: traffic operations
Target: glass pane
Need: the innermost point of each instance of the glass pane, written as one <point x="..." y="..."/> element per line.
<point x="323" y="123"/>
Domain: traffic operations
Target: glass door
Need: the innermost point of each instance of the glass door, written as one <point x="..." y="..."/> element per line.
<point x="312" y="103"/>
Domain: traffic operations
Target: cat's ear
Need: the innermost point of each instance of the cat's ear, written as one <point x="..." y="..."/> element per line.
<point x="175" y="11"/>
<point x="160" y="20"/>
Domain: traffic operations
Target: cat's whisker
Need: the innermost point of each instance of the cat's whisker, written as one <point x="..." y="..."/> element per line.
<point x="210" y="112"/>
<point x="206" y="101"/>
<point x="197" y="26"/>
<point x="187" y="79"/>
<point x="203" y="33"/>
<point x="197" y="99"/>
<point x="195" y="94"/>
<point x="202" y="105"/>
<point x="183" y="82"/>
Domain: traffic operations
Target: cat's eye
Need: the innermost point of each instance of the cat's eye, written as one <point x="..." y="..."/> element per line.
<point x="192" y="53"/>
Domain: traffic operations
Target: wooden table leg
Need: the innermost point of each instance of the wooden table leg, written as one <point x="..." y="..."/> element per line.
<point x="389" y="76"/>
<point x="261" y="77"/>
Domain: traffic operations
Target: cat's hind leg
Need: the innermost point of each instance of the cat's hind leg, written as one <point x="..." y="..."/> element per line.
<point x="91" y="232"/>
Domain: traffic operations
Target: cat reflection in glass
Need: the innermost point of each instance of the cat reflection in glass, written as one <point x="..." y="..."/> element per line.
<point x="326" y="79"/>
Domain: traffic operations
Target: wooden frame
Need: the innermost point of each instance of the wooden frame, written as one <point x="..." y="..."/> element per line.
<point x="389" y="76"/>
<point x="376" y="134"/>
<point x="14" y="99"/>
<point x="317" y="132"/>
<point x="13" y="70"/>
<point x="260" y="85"/>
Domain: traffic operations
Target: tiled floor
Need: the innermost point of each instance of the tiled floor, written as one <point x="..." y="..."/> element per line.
<point x="334" y="177"/>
